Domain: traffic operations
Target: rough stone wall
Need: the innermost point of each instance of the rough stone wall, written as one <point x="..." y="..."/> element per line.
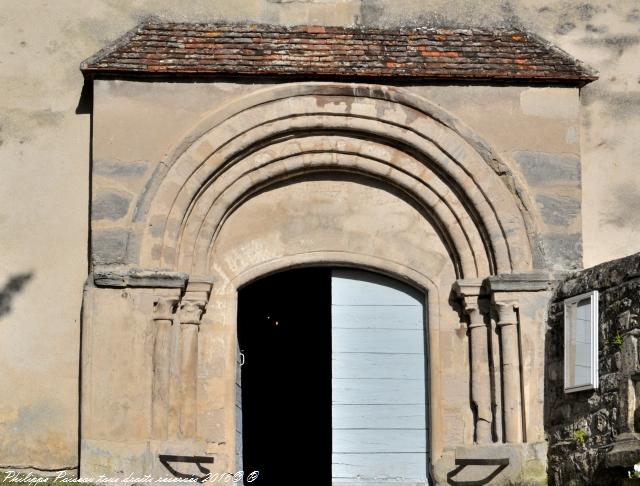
<point x="44" y="154"/>
<point x="595" y="412"/>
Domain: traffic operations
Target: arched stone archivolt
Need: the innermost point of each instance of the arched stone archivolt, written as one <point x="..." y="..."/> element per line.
<point x="429" y="193"/>
<point x="380" y="133"/>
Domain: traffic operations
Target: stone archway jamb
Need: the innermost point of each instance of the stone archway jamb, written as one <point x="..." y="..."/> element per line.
<point x="177" y="299"/>
<point x="505" y="292"/>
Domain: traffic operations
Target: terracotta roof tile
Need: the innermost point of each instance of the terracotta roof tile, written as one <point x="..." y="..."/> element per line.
<point x="317" y="52"/>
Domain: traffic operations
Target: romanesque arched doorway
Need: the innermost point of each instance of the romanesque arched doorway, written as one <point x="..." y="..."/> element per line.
<point x="313" y="174"/>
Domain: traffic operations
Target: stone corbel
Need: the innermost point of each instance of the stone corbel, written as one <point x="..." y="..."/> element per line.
<point x="469" y="293"/>
<point x="192" y="307"/>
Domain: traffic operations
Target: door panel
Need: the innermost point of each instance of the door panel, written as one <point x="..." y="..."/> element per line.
<point x="379" y="413"/>
<point x="365" y="366"/>
<point x="377" y="317"/>
<point x="284" y="332"/>
<point x="384" y="416"/>
<point x="348" y="467"/>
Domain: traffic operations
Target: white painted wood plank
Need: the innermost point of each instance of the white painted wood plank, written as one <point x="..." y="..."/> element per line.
<point x="367" y="467"/>
<point x="377" y="341"/>
<point x="379" y="410"/>
<point x="378" y="316"/>
<point x="382" y="440"/>
<point x="353" y="287"/>
<point x="379" y="416"/>
<point x="365" y="365"/>
<point x="378" y="391"/>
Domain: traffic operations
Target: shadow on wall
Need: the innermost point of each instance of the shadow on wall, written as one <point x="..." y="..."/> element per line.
<point x="14" y="285"/>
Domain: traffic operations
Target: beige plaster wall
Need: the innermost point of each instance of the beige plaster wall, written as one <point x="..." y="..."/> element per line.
<point x="44" y="156"/>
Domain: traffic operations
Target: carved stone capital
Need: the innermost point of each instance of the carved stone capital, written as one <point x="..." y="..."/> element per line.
<point x="469" y="293"/>
<point x="191" y="311"/>
<point x="507" y="312"/>
<point x="165" y="302"/>
<point x="467" y="287"/>
<point x="195" y="300"/>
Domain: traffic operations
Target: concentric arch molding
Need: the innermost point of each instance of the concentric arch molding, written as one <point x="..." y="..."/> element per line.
<point x="375" y="131"/>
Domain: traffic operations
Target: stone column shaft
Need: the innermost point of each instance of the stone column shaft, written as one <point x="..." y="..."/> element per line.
<point x="480" y="379"/>
<point x="508" y="323"/>
<point x="469" y="291"/>
<point x="188" y="377"/>
<point x="192" y="307"/>
<point x="163" y="314"/>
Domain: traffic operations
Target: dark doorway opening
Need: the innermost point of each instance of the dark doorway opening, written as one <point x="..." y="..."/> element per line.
<point x="284" y="334"/>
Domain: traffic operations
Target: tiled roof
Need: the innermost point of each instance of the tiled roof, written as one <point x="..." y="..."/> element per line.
<point x="337" y="52"/>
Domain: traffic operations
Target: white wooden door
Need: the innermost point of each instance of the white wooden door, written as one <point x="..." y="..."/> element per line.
<point x="379" y="413"/>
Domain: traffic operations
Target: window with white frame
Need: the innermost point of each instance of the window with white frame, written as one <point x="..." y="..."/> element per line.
<point x="581" y="342"/>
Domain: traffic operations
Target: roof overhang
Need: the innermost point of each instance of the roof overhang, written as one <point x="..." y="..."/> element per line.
<point x="506" y="56"/>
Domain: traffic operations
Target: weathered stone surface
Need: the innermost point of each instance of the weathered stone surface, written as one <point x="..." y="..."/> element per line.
<point x="106" y="168"/>
<point x="565" y="250"/>
<point x="521" y="464"/>
<point x="108" y="276"/>
<point x="109" y="245"/>
<point x="625" y="452"/>
<point x="558" y="210"/>
<point x="541" y="168"/>
<point x="109" y="205"/>
<point x="534" y="281"/>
